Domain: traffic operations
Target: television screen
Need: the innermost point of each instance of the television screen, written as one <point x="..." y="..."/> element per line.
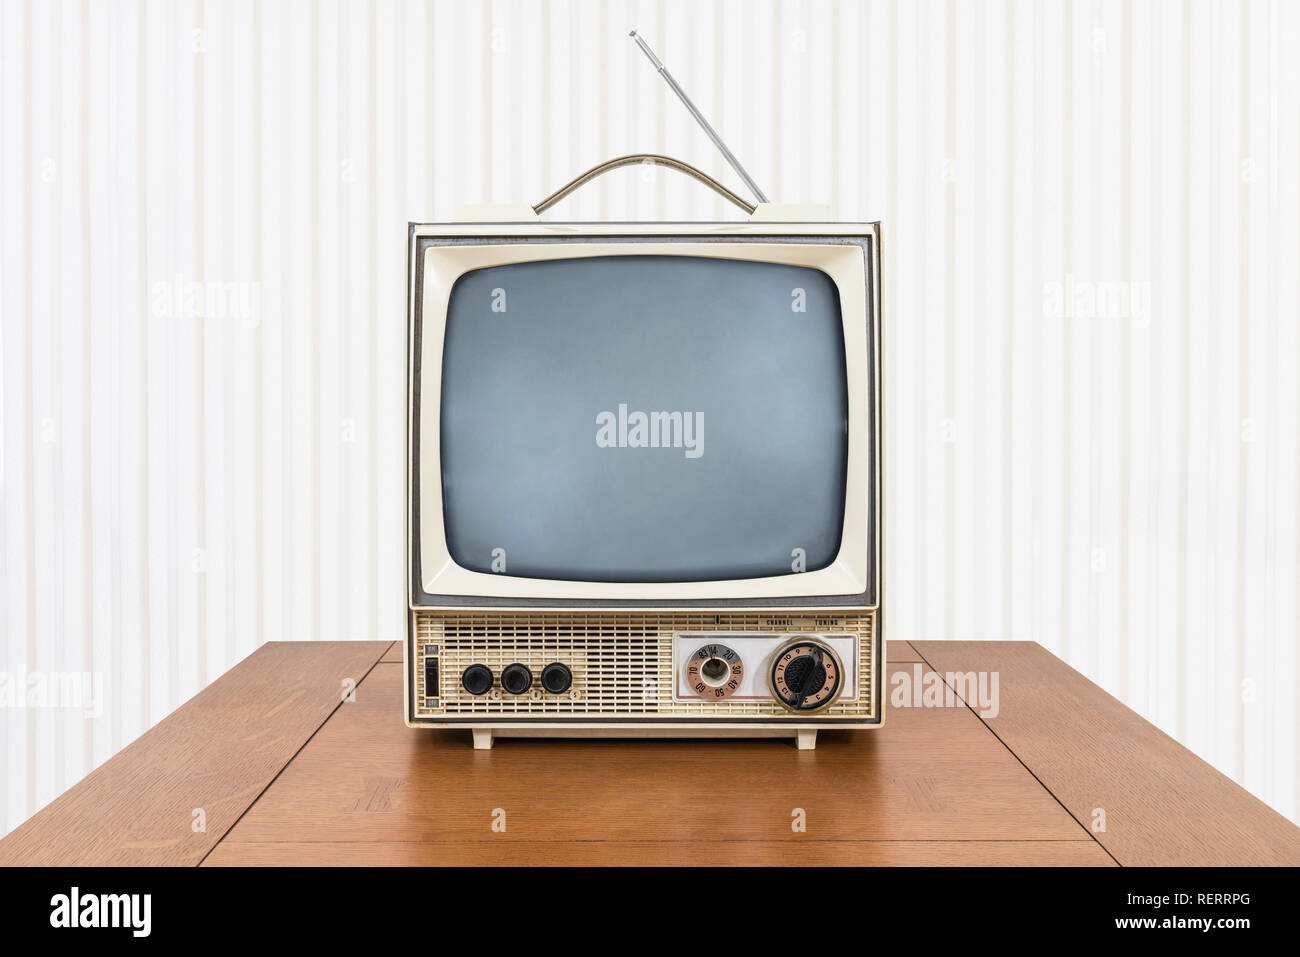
<point x="644" y="419"/>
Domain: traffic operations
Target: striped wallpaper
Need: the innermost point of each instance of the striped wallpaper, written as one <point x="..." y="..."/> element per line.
<point x="1093" y="241"/>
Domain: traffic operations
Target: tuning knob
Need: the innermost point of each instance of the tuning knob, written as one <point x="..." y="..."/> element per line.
<point x="805" y="675"/>
<point x="557" y="678"/>
<point x="477" y="679"/>
<point x="516" y="678"/>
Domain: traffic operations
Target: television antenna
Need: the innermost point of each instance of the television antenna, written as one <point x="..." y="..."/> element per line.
<point x="699" y="117"/>
<point x="656" y="159"/>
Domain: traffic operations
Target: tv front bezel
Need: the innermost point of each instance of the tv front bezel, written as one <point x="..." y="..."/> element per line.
<point x="848" y="253"/>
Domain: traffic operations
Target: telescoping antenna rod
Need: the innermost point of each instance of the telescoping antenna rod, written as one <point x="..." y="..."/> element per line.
<point x="699" y="117"/>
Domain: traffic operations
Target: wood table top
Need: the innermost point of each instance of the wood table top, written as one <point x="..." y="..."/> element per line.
<point x="275" y="763"/>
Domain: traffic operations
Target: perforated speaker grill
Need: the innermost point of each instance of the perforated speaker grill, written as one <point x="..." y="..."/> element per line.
<point x="622" y="663"/>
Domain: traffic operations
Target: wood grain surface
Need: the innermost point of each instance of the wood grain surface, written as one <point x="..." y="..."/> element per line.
<point x="1082" y="853"/>
<point x="931" y="775"/>
<point x="900" y="651"/>
<point x="216" y="753"/>
<point x="287" y="773"/>
<point x="1161" y="803"/>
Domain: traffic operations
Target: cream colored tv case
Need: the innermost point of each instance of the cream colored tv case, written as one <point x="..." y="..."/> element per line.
<point x="781" y="656"/>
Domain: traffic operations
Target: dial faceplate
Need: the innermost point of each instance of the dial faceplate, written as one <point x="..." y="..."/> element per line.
<point x="714" y="671"/>
<point x="805" y="675"/>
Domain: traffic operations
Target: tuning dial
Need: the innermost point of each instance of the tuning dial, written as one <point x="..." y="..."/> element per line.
<point x="806" y="675"/>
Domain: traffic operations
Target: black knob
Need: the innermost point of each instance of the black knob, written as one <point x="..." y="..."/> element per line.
<point x="556" y="678"/>
<point x="516" y="678"/>
<point x="805" y="675"/>
<point x="477" y="679"/>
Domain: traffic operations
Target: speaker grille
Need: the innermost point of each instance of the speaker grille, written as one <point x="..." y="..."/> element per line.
<point x="622" y="663"/>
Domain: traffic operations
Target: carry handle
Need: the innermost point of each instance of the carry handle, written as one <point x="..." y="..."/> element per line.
<point x="634" y="159"/>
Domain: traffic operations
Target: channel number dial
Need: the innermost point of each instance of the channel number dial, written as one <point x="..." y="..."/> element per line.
<point x="806" y="675"/>
<point x="714" y="671"/>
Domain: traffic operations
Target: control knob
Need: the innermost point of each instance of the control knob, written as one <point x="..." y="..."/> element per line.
<point x="806" y="675"/>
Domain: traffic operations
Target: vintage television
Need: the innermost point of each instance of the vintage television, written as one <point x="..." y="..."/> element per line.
<point x="645" y="477"/>
<point x="644" y="484"/>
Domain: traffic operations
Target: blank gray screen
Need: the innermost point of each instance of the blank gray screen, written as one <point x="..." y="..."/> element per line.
<point x="737" y="469"/>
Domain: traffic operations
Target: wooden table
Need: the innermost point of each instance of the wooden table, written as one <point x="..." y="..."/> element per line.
<point x="269" y="765"/>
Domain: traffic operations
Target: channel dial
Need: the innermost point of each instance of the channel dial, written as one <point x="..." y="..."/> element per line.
<point x="715" y="671"/>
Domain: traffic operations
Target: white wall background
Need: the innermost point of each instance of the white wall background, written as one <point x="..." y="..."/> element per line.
<point x="184" y="479"/>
